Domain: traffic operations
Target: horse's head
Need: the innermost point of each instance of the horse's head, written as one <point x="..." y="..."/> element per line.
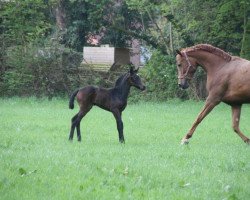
<point x="134" y="79"/>
<point x="186" y="68"/>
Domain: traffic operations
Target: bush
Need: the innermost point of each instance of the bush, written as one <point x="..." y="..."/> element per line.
<point x="40" y="71"/>
<point x="17" y="79"/>
<point x="161" y="78"/>
<point x="53" y="70"/>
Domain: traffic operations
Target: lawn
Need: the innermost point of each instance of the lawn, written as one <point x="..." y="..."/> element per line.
<point x="38" y="162"/>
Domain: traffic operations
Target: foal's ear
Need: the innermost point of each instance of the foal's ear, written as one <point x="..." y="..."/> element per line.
<point x="136" y="70"/>
<point x="178" y="52"/>
<point x="131" y="70"/>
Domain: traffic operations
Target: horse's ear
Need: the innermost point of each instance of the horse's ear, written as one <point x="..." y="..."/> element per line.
<point x="178" y="52"/>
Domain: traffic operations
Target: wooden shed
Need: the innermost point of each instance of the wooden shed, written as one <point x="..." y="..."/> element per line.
<point x="103" y="57"/>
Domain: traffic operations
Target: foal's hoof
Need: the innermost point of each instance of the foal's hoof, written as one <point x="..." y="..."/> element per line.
<point x="184" y="141"/>
<point x="122" y="141"/>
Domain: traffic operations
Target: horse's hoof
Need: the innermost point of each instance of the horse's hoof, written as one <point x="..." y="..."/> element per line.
<point x="184" y="141"/>
<point x="247" y="141"/>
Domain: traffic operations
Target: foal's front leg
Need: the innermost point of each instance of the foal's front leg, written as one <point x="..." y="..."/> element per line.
<point x="118" y="116"/>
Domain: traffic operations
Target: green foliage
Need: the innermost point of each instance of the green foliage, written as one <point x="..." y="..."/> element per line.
<point x="23" y="21"/>
<point x="245" y="49"/>
<point x="25" y="26"/>
<point x="216" y="23"/>
<point x="161" y="77"/>
<point x="227" y="30"/>
<point x="116" y="24"/>
<point x="154" y="29"/>
<point x="83" y="19"/>
<point x="39" y="71"/>
<point x="17" y="79"/>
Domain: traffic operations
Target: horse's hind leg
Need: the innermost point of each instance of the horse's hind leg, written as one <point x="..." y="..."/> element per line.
<point x="236" y="110"/>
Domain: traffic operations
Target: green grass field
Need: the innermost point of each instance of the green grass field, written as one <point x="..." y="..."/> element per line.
<point x="38" y="162"/>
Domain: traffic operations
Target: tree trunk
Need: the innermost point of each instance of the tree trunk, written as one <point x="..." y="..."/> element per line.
<point x="61" y="15"/>
<point x="160" y="31"/>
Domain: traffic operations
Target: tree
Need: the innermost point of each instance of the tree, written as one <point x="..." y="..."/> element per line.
<point x="76" y="19"/>
<point x="164" y="25"/>
<point x="23" y="21"/>
<point x="245" y="48"/>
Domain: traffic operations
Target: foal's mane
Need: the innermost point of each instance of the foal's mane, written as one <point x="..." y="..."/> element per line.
<point x="120" y="80"/>
<point x="211" y="49"/>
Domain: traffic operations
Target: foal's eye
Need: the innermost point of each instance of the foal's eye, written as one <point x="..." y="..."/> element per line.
<point x="135" y="78"/>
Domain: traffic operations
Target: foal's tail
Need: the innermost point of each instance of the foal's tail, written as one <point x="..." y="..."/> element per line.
<point x="72" y="98"/>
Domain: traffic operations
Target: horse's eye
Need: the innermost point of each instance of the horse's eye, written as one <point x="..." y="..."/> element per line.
<point x="179" y="65"/>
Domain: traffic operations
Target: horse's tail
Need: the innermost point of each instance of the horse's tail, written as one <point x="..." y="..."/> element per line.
<point x="72" y="98"/>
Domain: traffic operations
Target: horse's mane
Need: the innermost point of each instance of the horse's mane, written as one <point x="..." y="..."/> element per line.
<point x="211" y="49"/>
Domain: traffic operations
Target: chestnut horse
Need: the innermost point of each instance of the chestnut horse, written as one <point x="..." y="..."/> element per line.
<point x="228" y="81"/>
<point x="113" y="100"/>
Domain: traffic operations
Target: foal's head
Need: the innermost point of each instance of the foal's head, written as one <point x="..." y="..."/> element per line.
<point x="134" y="79"/>
<point x="186" y="67"/>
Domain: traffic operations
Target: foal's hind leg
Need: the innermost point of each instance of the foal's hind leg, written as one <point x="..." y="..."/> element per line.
<point x="236" y="110"/>
<point x="73" y="125"/>
<point x="81" y="114"/>
<point x="79" y="118"/>
<point x="79" y="138"/>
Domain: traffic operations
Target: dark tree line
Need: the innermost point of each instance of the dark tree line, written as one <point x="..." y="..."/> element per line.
<point x="42" y="40"/>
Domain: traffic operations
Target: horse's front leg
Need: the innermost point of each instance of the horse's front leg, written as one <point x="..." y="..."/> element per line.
<point x="118" y="116"/>
<point x="209" y="105"/>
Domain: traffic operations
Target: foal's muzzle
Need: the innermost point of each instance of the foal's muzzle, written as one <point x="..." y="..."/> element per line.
<point x="142" y="87"/>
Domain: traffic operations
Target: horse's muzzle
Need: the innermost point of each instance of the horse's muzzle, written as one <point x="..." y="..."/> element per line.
<point x="183" y="84"/>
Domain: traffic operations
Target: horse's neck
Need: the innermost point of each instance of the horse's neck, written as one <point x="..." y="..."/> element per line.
<point x="208" y="61"/>
<point x="123" y="90"/>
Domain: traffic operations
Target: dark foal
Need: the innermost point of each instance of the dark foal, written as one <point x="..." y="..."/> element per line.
<point x="113" y="100"/>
